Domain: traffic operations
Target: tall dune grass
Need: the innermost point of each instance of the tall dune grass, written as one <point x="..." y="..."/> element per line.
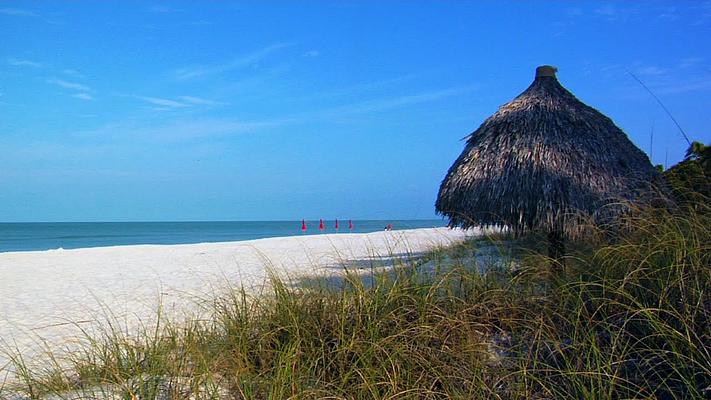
<point x="629" y="318"/>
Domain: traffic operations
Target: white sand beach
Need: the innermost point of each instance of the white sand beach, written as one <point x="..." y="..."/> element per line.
<point x="47" y="296"/>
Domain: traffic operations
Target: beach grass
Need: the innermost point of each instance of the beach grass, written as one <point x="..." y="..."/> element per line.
<point x="623" y="315"/>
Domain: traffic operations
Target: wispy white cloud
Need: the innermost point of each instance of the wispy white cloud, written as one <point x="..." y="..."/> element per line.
<point x="606" y="9"/>
<point x="200" y="22"/>
<point x="165" y="103"/>
<point x="18" y="12"/>
<point x="164" y="9"/>
<point x="311" y="53"/>
<point x="71" y="72"/>
<point x="239" y="62"/>
<point x="23" y="63"/>
<point x="207" y="128"/>
<point x="619" y="12"/>
<point x="685" y="86"/>
<point x="175" y="131"/>
<point x="689" y="62"/>
<point x="687" y="76"/>
<point x="363" y="88"/>
<point x="69" y="85"/>
<point x="338" y="113"/>
<point x="610" y="12"/>
<point x="83" y="96"/>
<point x="198" y="101"/>
<point x="669" y="14"/>
<point x="575" y="12"/>
<point x="703" y="13"/>
<point x="388" y="103"/>
<point x="652" y="70"/>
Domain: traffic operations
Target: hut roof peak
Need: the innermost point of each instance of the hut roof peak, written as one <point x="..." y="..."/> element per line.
<point x="546" y="70"/>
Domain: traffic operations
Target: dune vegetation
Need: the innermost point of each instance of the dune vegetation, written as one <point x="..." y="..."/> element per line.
<point x="622" y="316"/>
<point x="625" y="314"/>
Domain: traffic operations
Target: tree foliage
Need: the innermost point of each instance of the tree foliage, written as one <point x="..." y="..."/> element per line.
<point x="690" y="180"/>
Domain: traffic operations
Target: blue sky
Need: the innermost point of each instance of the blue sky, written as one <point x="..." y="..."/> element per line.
<point x="115" y="111"/>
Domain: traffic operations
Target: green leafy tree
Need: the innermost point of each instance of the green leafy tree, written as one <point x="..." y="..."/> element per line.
<point x="690" y="180"/>
<point x="701" y="153"/>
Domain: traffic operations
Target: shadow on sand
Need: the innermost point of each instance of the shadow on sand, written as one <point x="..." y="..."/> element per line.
<point x="478" y="255"/>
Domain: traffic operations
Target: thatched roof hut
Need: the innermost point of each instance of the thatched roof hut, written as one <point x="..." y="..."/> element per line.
<point x="544" y="162"/>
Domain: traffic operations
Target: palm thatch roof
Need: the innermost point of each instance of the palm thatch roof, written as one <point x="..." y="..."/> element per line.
<point x="543" y="162"/>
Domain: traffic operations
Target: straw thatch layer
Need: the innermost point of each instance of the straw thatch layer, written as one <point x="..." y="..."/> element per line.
<point x="543" y="162"/>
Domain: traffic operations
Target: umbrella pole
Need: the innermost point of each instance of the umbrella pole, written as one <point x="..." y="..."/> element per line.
<point x="556" y="246"/>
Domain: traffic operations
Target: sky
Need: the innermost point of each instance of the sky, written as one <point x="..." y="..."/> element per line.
<point x="172" y="111"/>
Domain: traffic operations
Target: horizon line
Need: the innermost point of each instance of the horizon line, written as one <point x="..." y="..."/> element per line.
<point x="198" y="221"/>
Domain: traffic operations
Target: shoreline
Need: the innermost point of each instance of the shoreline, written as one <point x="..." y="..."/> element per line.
<point x="229" y="242"/>
<point x="47" y="297"/>
<point x="43" y="236"/>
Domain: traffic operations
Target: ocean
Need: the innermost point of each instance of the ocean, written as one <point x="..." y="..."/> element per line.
<point x="73" y="235"/>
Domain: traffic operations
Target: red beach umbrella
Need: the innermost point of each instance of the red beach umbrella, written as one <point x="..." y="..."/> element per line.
<point x="336" y="223"/>
<point x="350" y="225"/>
<point x="303" y="225"/>
<point x="320" y="225"/>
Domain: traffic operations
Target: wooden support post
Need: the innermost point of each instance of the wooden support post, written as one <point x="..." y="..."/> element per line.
<point x="556" y="246"/>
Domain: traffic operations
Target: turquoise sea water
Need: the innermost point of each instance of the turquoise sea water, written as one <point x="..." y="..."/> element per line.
<point x="72" y="235"/>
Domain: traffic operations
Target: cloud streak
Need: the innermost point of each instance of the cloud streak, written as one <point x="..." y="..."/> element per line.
<point x="69" y="85"/>
<point x="157" y="101"/>
<point x="239" y="62"/>
<point x="338" y="113"/>
<point x="383" y="104"/>
<point x="652" y="71"/>
<point x="163" y="9"/>
<point x="16" y="62"/>
<point x="71" y="72"/>
<point x="192" y="130"/>
<point x="175" y="131"/>
<point x="198" y="101"/>
<point x="362" y="88"/>
<point x="18" y="12"/>
<point x="83" y="96"/>
<point x="165" y="104"/>
<point x="84" y="90"/>
<point x="696" y="85"/>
